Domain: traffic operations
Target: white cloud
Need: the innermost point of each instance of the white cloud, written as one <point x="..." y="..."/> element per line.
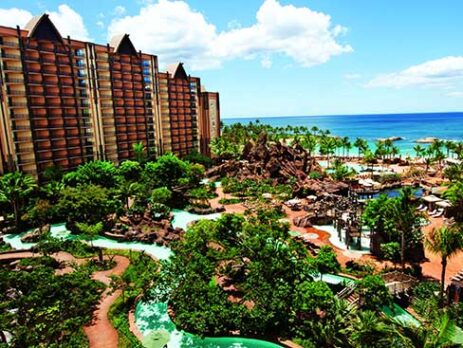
<point x="441" y="72"/>
<point x="69" y="22"/>
<point x="100" y="24"/>
<point x="119" y="10"/>
<point x="171" y="30"/>
<point x="175" y="32"/>
<point x="266" y="62"/>
<point x="14" y="16"/>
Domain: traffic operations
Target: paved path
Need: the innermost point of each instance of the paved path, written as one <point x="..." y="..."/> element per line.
<point x="100" y="332"/>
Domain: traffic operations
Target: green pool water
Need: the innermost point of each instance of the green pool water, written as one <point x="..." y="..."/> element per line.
<point x="395" y="312"/>
<point x="158" y="329"/>
<point x="400" y="314"/>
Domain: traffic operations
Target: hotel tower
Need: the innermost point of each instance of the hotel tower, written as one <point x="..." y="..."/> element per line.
<point x="64" y="102"/>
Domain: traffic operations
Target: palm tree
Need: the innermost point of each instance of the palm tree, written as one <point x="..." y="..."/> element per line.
<point x="439" y="333"/>
<point x="139" y="151"/>
<point x="309" y="142"/>
<point x="361" y="145"/>
<point x="15" y="188"/>
<point x="458" y="150"/>
<point x="395" y="151"/>
<point x="455" y="195"/>
<point x="327" y="147"/>
<point x="445" y="241"/>
<point x="127" y="190"/>
<point x="407" y="218"/>
<point x="449" y="146"/>
<point x="419" y="150"/>
<point x="367" y="328"/>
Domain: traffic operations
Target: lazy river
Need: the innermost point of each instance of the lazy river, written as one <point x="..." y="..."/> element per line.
<point x="152" y="318"/>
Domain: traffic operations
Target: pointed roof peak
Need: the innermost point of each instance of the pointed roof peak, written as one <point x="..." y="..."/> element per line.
<point x="122" y="44"/>
<point x="42" y="28"/>
<point x="177" y="71"/>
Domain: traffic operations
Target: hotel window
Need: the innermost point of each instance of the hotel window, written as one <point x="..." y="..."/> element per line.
<point x="146" y="63"/>
<point x="80" y="52"/>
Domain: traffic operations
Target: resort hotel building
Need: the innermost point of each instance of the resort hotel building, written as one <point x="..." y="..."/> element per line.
<point x="64" y="102"/>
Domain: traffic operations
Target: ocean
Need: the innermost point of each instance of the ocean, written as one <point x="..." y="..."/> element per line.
<point x="410" y="127"/>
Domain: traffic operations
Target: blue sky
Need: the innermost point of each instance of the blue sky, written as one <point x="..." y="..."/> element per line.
<point x="288" y="57"/>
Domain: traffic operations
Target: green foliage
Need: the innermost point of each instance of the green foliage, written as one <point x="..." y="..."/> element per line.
<point x="47" y="310"/>
<point x="39" y="214"/>
<point x="134" y="282"/>
<point x="389" y="178"/>
<point x="159" y="211"/>
<point x="87" y="203"/>
<point x="119" y="319"/>
<point x="326" y="261"/>
<point x="226" y="201"/>
<point x="446" y="241"/>
<point x="200" y="196"/>
<point x="425" y="301"/>
<point x="455" y="195"/>
<point x="130" y="170"/>
<point x="391" y="251"/>
<point x="16" y="189"/>
<point x="315" y="175"/>
<point x="140" y="152"/>
<point x="359" y="269"/>
<point x="161" y="195"/>
<point x="256" y="256"/>
<point x="341" y="172"/>
<point x="396" y="220"/>
<point x="89" y="231"/>
<point x="170" y="171"/>
<point x="101" y="173"/>
<point x="373" y="293"/>
<point x="196" y="157"/>
<point x="255" y="188"/>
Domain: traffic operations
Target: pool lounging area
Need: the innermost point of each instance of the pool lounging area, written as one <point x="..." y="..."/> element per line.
<point x="359" y="168"/>
<point x="340" y="244"/>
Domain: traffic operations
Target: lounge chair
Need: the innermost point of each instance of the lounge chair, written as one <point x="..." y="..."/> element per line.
<point x="420" y="207"/>
<point x="438" y="213"/>
<point x="431" y="213"/>
<point x="424" y="209"/>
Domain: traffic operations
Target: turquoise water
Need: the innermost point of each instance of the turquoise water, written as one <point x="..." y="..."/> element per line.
<point x="183" y="218"/>
<point x="60" y="231"/>
<point x="411" y="127"/>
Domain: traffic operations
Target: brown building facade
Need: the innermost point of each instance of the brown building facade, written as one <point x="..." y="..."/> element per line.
<point x="64" y="102"/>
<point x="209" y="125"/>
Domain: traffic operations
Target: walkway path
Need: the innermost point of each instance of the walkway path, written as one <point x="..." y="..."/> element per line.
<point x="100" y="332"/>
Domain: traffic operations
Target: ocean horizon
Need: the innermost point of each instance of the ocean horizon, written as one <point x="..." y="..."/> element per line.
<point x="409" y="126"/>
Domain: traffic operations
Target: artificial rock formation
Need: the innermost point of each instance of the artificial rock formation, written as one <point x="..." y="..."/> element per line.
<point x="278" y="162"/>
<point x="35" y="235"/>
<point x="145" y="230"/>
